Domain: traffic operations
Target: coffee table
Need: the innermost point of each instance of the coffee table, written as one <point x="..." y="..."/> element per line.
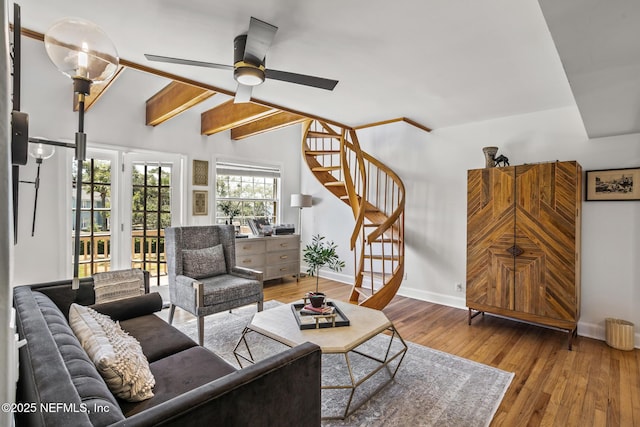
<point x="279" y="324"/>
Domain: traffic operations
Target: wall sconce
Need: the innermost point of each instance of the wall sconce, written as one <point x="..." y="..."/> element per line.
<point x="39" y="152"/>
<point x="83" y="52"/>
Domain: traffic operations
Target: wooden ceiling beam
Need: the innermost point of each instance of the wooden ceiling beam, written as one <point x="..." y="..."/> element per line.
<point x="172" y="100"/>
<point x="399" y="119"/>
<point x="97" y="90"/>
<point x="229" y="115"/>
<point x="273" y="122"/>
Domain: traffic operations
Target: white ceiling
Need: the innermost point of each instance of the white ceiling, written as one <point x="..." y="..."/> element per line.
<point x="438" y="62"/>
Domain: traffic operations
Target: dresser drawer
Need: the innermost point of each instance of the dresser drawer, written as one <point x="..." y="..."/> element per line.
<point x="283" y="243"/>
<point x="273" y="271"/>
<point x="250" y="261"/>
<point x="282" y="257"/>
<point x="247" y="247"/>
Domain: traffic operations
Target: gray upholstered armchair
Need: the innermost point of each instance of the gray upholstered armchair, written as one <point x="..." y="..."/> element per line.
<point x="203" y="276"/>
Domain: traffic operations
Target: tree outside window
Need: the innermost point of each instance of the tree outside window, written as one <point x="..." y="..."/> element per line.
<point x="243" y="197"/>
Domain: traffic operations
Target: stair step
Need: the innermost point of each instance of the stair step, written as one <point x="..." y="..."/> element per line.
<point x="321" y="152"/>
<point x="377" y="275"/>
<point x="383" y="257"/>
<point x="334" y="184"/>
<point x="385" y="240"/>
<point x="325" y="168"/>
<point x="316" y="134"/>
<point x="363" y="291"/>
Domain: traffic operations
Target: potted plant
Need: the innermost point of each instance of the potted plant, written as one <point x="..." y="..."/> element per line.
<point x="230" y="209"/>
<point x="320" y="254"/>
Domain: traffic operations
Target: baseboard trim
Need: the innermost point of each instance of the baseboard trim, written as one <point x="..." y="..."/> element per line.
<point x="434" y="297"/>
<point x="585" y="329"/>
<point x="597" y="331"/>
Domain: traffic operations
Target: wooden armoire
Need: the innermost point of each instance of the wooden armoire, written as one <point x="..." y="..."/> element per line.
<point x="523" y="243"/>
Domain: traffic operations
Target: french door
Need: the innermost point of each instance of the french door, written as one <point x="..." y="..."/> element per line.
<point x="127" y="201"/>
<point x="152" y="199"/>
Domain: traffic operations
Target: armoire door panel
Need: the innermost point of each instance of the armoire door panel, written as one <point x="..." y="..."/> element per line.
<point x="490" y="224"/>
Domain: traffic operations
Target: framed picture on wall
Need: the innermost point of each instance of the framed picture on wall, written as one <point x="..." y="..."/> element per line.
<point x="200" y="202"/>
<point x="613" y="184"/>
<point x="200" y="172"/>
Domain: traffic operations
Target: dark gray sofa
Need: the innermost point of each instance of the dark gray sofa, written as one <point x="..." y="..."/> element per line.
<point x="194" y="387"/>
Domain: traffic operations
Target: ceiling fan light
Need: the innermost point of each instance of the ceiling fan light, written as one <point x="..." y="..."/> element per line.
<point x="81" y="49"/>
<point x="249" y="76"/>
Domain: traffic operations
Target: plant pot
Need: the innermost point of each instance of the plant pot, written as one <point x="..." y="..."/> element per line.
<point x="317" y="300"/>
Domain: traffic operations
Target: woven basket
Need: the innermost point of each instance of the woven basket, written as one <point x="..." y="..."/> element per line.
<point x="619" y="334"/>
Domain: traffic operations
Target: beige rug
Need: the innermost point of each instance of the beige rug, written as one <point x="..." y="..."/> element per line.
<point x="431" y="388"/>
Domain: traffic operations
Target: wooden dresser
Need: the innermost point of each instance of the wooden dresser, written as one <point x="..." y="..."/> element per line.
<point x="275" y="256"/>
<point x="523" y="243"/>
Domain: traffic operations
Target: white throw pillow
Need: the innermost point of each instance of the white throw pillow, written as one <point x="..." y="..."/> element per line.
<point x="117" y="355"/>
<point x="114" y="285"/>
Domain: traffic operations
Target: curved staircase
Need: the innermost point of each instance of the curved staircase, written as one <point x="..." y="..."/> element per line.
<point x="376" y="196"/>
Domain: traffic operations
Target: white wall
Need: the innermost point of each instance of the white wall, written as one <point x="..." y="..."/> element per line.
<point x="433" y="168"/>
<point x="7" y="341"/>
<point x="117" y="120"/>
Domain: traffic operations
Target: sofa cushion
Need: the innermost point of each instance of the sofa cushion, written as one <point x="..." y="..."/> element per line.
<point x="116" y="354"/>
<point x="115" y="285"/>
<point x="200" y="263"/>
<point x="179" y="373"/>
<point x="157" y="338"/>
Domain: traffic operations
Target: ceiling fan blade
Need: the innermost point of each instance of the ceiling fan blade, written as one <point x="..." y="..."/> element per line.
<point x="259" y="39"/>
<point x="243" y="94"/>
<point x="301" y="79"/>
<point x="180" y="61"/>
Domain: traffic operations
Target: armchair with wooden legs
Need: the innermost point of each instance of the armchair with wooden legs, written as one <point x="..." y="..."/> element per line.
<point x="203" y="276"/>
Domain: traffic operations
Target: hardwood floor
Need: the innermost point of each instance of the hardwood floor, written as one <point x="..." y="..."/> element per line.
<point x="593" y="385"/>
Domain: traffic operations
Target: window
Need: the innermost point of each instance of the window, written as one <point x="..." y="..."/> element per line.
<point x="95" y="216"/>
<point x="246" y="191"/>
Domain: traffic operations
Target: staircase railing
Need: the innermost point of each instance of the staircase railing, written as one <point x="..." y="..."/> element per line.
<point x="376" y="196"/>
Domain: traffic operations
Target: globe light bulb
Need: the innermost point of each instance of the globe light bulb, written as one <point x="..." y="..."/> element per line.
<point x="81" y="50"/>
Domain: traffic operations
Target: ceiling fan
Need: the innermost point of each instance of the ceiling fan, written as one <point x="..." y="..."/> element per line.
<point x="249" y="56"/>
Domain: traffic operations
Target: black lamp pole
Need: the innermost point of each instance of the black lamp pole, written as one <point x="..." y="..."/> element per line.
<point x="82" y="87"/>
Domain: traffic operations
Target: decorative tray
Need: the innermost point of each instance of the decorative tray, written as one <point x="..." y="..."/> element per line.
<point x="317" y="321"/>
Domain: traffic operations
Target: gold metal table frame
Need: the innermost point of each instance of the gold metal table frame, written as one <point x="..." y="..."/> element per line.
<point x="279" y="325"/>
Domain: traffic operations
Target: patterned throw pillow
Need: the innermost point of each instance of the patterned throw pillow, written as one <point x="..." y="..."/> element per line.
<point x="114" y="285"/>
<point x="117" y="355"/>
<point x="201" y="263"/>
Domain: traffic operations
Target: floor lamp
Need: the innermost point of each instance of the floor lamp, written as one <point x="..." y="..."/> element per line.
<point x="83" y="52"/>
<point x="301" y="201"/>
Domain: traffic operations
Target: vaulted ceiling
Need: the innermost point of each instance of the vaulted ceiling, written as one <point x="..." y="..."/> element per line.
<point x="433" y="64"/>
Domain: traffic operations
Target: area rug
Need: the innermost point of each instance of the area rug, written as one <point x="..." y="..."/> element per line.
<point x="430" y="388"/>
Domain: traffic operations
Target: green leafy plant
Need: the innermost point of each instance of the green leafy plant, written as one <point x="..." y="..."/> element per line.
<point x="229" y="209"/>
<point x="320" y="254"/>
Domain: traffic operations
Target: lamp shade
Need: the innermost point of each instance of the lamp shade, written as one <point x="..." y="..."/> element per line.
<point x="41" y="151"/>
<point x="80" y="49"/>
<point x="301" y="200"/>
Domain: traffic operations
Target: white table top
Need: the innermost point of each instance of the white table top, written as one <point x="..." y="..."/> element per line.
<point x="280" y="324"/>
